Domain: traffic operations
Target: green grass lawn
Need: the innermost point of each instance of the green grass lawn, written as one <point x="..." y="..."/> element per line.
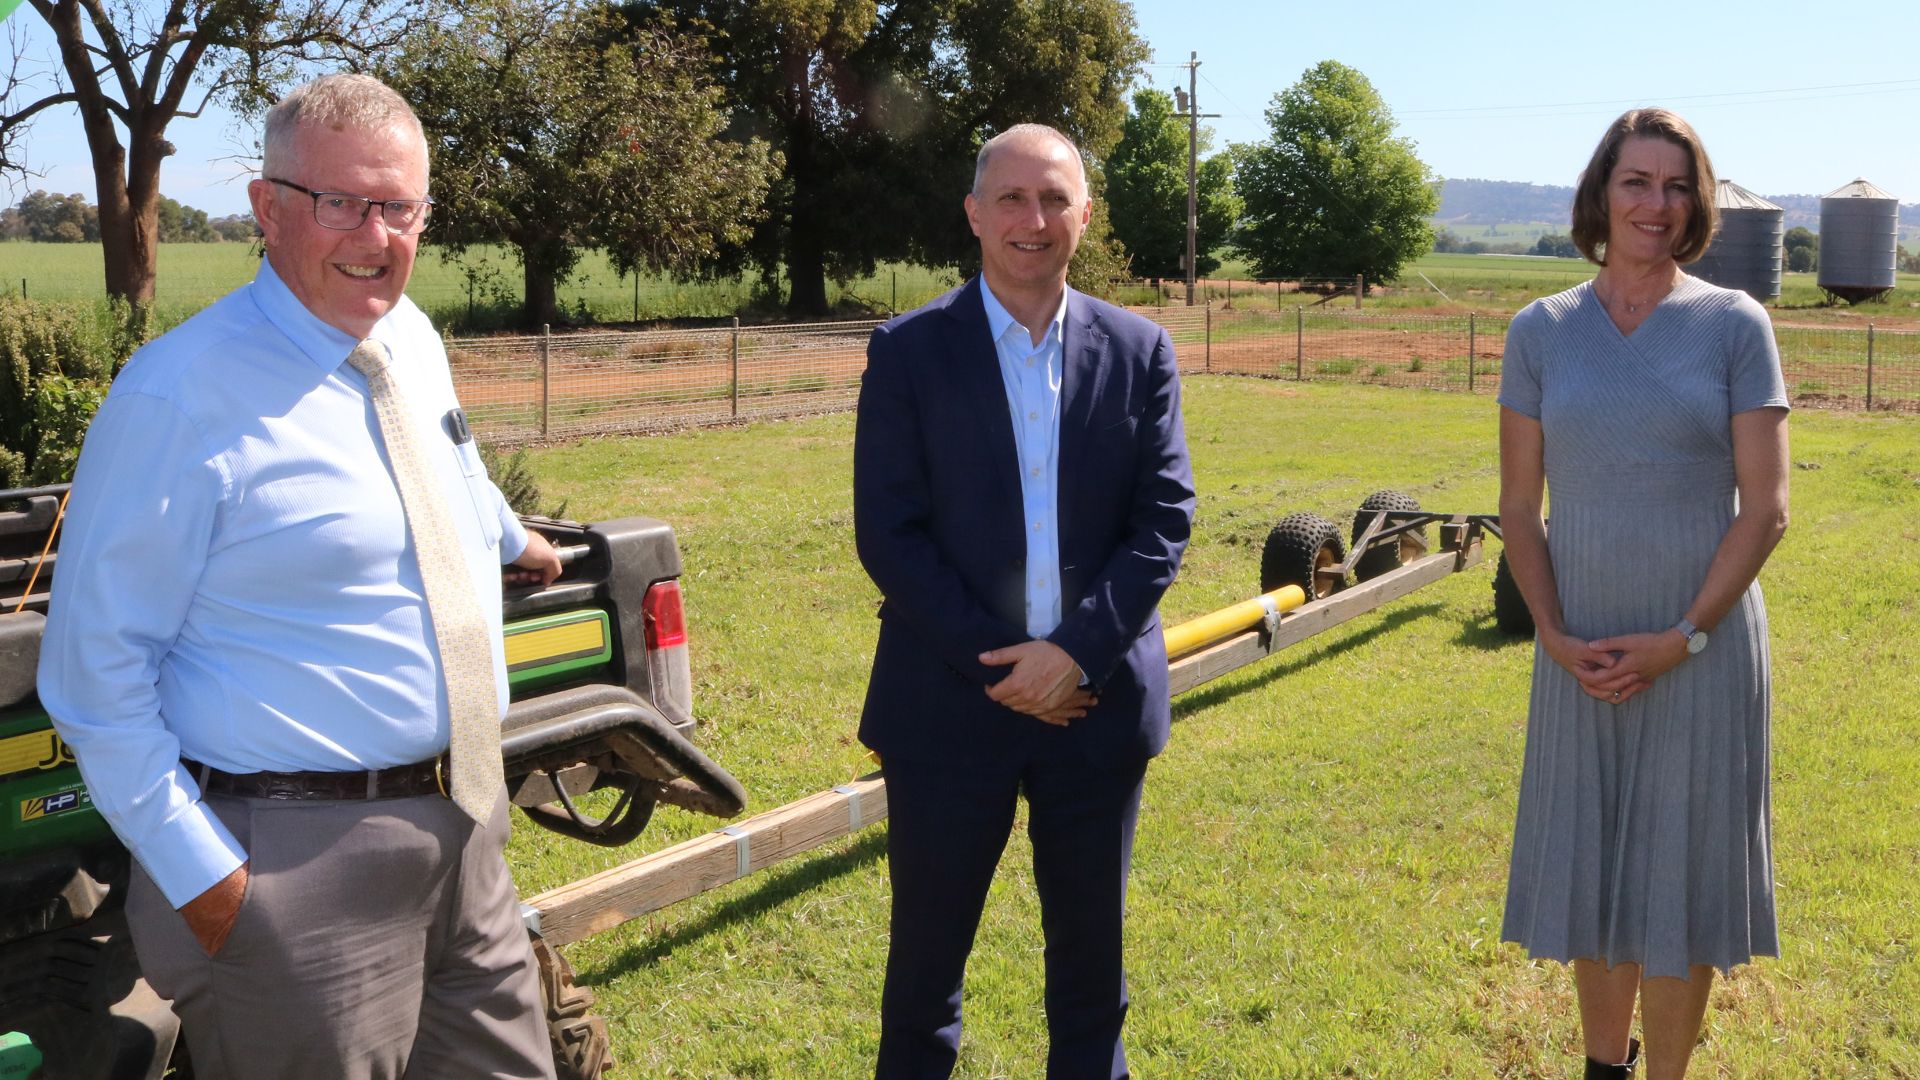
<point x="1322" y="852"/>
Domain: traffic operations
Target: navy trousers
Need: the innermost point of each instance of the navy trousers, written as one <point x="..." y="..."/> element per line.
<point x="947" y="826"/>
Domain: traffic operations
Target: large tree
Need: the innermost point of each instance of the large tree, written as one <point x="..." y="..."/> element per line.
<point x="130" y="67"/>
<point x="1333" y="192"/>
<point x="559" y="127"/>
<point x="1147" y="191"/>
<point x="878" y="109"/>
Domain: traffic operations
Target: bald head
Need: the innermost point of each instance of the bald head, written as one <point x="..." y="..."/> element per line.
<point x="1029" y="136"/>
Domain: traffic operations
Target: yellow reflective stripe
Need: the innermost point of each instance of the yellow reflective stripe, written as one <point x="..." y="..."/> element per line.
<point x="555" y="642"/>
<point x="34" y="750"/>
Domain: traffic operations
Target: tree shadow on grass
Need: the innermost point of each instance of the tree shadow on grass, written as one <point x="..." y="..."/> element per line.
<point x="1221" y="690"/>
<point x="778" y="885"/>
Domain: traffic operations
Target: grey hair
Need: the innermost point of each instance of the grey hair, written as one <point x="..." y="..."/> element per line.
<point x="343" y="102"/>
<point x="1020" y="132"/>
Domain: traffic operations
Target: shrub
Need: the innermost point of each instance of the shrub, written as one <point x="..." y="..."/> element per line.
<point x="62" y="409"/>
<point x="511" y="474"/>
<point x="83" y="346"/>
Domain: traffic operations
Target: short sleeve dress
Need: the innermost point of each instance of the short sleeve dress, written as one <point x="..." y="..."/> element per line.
<point x="1642" y="834"/>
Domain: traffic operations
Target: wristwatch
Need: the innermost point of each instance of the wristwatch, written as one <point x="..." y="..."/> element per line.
<point x="1696" y="637"/>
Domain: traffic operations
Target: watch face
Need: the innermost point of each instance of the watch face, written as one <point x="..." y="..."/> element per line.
<point x="1697" y="642"/>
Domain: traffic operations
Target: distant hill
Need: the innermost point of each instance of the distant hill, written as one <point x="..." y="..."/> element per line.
<point x="1502" y="202"/>
<point x="1499" y="202"/>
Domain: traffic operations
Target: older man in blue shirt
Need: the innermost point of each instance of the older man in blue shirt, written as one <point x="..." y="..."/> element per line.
<point x="241" y="650"/>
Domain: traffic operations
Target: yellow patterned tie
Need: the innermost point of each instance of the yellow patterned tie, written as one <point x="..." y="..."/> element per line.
<point x="459" y="626"/>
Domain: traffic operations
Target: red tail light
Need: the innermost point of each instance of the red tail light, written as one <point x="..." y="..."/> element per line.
<point x="666" y="617"/>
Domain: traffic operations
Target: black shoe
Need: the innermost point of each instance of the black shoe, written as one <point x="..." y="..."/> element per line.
<point x="1597" y="1071"/>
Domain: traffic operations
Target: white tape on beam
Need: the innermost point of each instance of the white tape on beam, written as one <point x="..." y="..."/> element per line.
<point x="742" y="856"/>
<point x="853" y="806"/>
<point x="1272" y="607"/>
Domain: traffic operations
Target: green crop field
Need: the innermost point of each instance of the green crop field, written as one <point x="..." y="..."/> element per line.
<point x="1322" y="853"/>
<point x="479" y="291"/>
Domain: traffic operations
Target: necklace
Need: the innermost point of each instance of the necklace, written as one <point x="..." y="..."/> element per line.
<point x="1632" y="307"/>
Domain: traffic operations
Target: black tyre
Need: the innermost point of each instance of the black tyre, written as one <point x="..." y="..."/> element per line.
<point x="581" y="1049"/>
<point x="1510" y="612"/>
<point x="1390" y="556"/>
<point x="1299" y="545"/>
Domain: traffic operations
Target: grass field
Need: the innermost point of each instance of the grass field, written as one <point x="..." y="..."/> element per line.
<point x="1322" y="852"/>
<point x="192" y="276"/>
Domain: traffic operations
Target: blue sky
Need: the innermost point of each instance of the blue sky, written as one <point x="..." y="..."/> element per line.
<point x="1788" y="102"/>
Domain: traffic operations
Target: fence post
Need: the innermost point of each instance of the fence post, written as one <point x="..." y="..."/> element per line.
<point x="1359" y="289"/>
<point x="1869" y="367"/>
<point x="1470" y="351"/>
<point x="1210" y="336"/>
<point x="895" y="305"/>
<point x="1229" y="292"/>
<point x="733" y="362"/>
<point x="23" y="286"/>
<point x="1299" y="342"/>
<point x="636" y="294"/>
<point x="546" y="377"/>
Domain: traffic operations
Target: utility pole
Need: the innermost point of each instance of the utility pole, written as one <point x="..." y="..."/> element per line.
<point x="1189" y="103"/>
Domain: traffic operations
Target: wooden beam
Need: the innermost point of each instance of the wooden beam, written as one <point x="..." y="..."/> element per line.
<point x="651" y="882"/>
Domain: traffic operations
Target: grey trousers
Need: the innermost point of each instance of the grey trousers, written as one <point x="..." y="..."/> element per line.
<point x="377" y="941"/>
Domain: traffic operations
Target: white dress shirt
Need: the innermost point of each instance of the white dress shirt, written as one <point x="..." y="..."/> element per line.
<point x="235" y="583"/>
<point x="1032" y="376"/>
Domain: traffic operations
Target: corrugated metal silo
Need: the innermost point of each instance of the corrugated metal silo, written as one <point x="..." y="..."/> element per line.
<point x="1859" y="230"/>
<point x="1745" y="253"/>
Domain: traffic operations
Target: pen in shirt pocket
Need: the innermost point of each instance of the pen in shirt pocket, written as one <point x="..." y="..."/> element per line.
<point x="457" y="429"/>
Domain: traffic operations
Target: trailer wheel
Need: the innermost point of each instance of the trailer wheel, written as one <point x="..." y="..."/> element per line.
<point x="1299" y="545"/>
<point x="581" y="1049"/>
<point x="1510" y="612"/>
<point x="1378" y="560"/>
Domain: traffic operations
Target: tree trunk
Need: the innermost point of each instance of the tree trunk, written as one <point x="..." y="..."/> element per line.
<point x="541" y="307"/>
<point x="129" y="221"/>
<point x="806" y="270"/>
<point x="806" y="248"/>
<point x="132" y="244"/>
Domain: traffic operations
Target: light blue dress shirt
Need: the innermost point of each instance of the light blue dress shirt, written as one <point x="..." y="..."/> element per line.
<point x="1032" y="376"/>
<point x="235" y="582"/>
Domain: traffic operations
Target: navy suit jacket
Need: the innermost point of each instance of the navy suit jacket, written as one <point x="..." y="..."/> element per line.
<point x="939" y="526"/>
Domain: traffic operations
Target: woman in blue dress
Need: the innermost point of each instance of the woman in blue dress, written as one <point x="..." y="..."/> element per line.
<point x="1649" y="407"/>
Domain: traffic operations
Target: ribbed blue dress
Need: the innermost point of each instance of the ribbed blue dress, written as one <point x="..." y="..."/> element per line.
<point x="1642" y="834"/>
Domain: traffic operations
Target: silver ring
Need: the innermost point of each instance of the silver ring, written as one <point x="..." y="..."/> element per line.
<point x="1616" y="695"/>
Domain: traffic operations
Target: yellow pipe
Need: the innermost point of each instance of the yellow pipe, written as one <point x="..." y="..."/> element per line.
<point x="1198" y="633"/>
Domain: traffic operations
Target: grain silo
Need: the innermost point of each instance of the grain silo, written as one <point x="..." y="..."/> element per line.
<point x="1745" y="253"/>
<point x="1859" y="230"/>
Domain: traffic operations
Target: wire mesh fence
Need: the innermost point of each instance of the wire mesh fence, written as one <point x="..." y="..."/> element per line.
<point x="524" y="389"/>
<point x="519" y="389"/>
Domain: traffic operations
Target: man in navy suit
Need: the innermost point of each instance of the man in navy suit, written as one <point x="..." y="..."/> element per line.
<point x="1021" y="498"/>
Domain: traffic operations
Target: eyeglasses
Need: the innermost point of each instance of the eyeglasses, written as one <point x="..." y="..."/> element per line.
<point x="338" y="210"/>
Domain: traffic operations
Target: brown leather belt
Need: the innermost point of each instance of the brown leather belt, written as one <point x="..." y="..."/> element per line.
<point x="399" y="782"/>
